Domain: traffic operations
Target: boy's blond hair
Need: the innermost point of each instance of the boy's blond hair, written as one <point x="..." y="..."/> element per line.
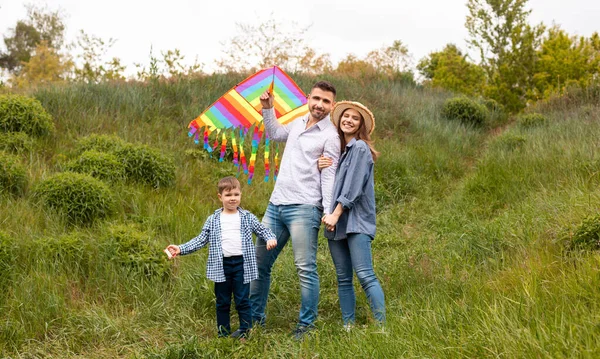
<point x="228" y="183"/>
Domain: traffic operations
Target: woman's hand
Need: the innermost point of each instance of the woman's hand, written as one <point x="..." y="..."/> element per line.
<point x="330" y="220"/>
<point x="324" y="162"/>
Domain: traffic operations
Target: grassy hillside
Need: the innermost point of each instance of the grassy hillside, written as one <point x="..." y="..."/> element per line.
<point x="471" y="245"/>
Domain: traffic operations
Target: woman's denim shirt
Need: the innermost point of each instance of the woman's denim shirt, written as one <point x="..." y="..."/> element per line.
<point x="354" y="190"/>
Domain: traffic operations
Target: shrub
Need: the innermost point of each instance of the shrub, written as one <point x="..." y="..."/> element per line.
<point x="147" y="165"/>
<point x="24" y="114"/>
<point x="15" y="142"/>
<point x="69" y="249"/>
<point x="496" y="112"/>
<point x="100" y="143"/>
<point x="98" y="164"/>
<point x="532" y="120"/>
<point x="510" y="142"/>
<point x="13" y="177"/>
<point x="79" y="197"/>
<point x="587" y="234"/>
<point x="135" y="250"/>
<point x="464" y="110"/>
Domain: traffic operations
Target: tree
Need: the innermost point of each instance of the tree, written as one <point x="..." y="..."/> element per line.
<point x="93" y="68"/>
<point x="565" y="60"/>
<point x="41" y="25"/>
<point x="391" y="60"/>
<point x="312" y="63"/>
<point x="271" y="43"/>
<point x="351" y="66"/>
<point x="46" y="65"/>
<point x="507" y="44"/>
<point x="450" y="69"/>
<point x="169" y="66"/>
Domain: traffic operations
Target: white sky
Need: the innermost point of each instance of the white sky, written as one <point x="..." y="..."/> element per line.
<point x="199" y="28"/>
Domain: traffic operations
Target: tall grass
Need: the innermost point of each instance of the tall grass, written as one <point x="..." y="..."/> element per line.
<point x="468" y="247"/>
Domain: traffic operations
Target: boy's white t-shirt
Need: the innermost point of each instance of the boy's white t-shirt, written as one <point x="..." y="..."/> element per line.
<point x="231" y="234"/>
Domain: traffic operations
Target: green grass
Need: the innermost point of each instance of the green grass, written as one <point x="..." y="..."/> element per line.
<point x="469" y="247"/>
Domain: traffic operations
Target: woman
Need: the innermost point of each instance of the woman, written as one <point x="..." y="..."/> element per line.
<point x="350" y="227"/>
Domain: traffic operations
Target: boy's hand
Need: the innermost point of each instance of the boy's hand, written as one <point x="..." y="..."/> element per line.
<point x="271" y="243"/>
<point x="172" y="251"/>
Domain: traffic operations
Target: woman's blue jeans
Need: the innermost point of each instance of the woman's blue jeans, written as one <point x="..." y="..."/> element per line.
<point x="353" y="254"/>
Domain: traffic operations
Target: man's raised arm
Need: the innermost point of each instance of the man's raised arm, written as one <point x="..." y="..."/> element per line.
<point x="275" y="130"/>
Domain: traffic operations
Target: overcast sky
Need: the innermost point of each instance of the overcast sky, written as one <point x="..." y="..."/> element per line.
<point x="199" y="28"/>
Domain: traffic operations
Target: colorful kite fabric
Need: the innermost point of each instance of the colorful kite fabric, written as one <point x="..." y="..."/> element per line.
<point x="239" y="111"/>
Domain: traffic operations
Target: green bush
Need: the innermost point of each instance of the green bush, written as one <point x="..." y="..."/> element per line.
<point x="15" y="142"/>
<point x="532" y="120"/>
<point x="100" y="143"/>
<point x="464" y="110"/>
<point x="68" y="249"/>
<point x="98" y="164"/>
<point x="24" y="114"/>
<point x="13" y="177"/>
<point x="587" y="234"/>
<point x="510" y="142"/>
<point x="79" y="197"/>
<point x="135" y="250"/>
<point x="497" y="114"/>
<point x="147" y="165"/>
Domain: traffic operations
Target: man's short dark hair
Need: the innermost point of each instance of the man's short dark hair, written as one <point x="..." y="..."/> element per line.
<point x="325" y="86"/>
<point x="228" y="183"/>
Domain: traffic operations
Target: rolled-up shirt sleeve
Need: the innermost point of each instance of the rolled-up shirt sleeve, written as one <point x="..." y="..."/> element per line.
<point x="197" y="242"/>
<point x="275" y="130"/>
<point x="359" y="169"/>
<point x="331" y="150"/>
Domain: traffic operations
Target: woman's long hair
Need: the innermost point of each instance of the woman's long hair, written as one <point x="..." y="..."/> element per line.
<point x="361" y="134"/>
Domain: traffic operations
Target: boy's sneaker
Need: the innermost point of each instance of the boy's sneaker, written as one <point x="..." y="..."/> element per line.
<point x="239" y="334"/>
<point x="301" y="331"/>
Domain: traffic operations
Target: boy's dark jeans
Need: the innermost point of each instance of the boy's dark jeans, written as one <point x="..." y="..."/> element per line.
<point x="234" y="284"/>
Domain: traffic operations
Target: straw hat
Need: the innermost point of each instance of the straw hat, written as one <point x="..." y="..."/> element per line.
<point x="342" y="106"/>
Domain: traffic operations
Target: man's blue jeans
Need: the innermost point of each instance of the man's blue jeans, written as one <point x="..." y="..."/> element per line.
<point x="354" y="254"/>
<point x="302" y="223"/>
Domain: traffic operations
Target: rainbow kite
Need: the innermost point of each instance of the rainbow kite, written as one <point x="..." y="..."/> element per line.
<point x="239" y="112"/>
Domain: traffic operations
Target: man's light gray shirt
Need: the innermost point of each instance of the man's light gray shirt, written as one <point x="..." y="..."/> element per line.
<point x="299" y="180"/>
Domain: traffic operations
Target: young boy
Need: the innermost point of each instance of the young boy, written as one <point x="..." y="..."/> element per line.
<point x="231" y="257"/>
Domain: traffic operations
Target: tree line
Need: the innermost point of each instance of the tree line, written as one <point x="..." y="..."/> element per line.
<point x="518" y="62"/>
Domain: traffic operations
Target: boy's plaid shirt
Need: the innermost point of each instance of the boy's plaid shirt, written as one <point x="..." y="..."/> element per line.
<point x="211" y="233"/>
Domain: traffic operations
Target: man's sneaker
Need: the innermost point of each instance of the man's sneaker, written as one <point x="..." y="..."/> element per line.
<point x="239" y="334"/>
<point x="348" y="327"/>
<point x="301" y="331"/>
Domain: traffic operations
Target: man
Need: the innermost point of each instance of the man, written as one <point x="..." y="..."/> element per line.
<point x="298" y="199"/>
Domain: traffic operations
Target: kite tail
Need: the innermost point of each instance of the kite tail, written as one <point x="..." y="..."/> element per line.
<point x="194" y="131"/>
<point x="223" y="146"/>
<point x="216" y="144"/>
<point x="242" y="154"/>
<point x="253" y="154"/>
<point x="266" y="158"/>
<point x="235" y="149"/>
<point x="206" y="145"/>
